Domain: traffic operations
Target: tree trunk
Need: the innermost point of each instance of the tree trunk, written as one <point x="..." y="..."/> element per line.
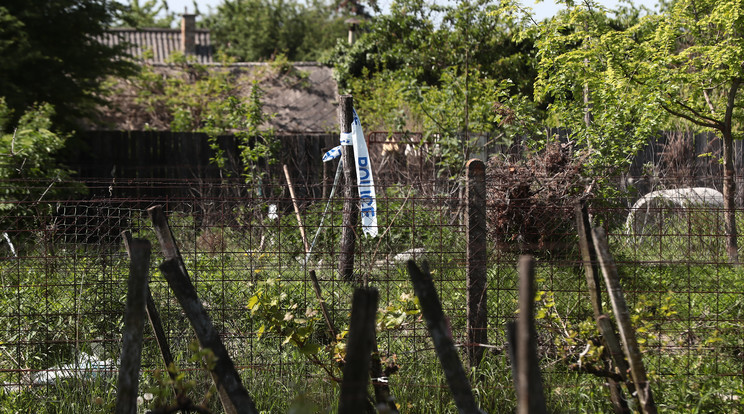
<point x="729" y="183"/>
<point x="729" y="197"/>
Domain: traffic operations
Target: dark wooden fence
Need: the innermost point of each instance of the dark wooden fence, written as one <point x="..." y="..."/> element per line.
<point x="108" y="160"/>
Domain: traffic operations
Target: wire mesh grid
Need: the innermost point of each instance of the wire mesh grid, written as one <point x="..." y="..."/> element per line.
<point x="64" y="272"/>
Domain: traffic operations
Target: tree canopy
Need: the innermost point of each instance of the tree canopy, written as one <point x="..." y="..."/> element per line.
<point x="259" y="30"/>
<point x="49" y="52"/>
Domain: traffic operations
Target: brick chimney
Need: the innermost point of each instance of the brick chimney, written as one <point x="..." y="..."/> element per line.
<point x="188" y="34"/>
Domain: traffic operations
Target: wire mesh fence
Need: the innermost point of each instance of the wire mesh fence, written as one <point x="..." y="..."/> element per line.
<point x="64" y="271"/>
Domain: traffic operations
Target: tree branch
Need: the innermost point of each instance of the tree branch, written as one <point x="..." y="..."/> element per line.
<point x="697" y="121"/>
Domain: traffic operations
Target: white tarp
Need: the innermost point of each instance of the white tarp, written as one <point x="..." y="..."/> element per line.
<point x="650" y="204"/>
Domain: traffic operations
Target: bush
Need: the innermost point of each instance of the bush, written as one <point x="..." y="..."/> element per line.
<point x="530" y="201"/>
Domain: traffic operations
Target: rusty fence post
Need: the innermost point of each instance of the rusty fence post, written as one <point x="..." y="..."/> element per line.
<point x="476" y="279"/>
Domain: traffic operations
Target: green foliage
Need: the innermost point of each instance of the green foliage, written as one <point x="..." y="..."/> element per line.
<point x="259" y="30"/>
<point x="199" y="99"/>
<point x="453" y="72"/>
<point x="256" y="143"/>
<point x="422" y="40"/>
<point x="278" y="314"/>
<point x="176" y="380"/>
<point x="50" y="52"/>
<point x="148" y="13"/>
<point x="28" y="165"/>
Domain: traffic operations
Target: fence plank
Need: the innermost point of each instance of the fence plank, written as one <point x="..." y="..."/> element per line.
<point x="131" y="353"/>
<point x="476" y="279"/>
<point x="622" y="315"/>
<point x="441" y="336"/>
<point x="353" y="398"/>
<point x="351" y="198"/>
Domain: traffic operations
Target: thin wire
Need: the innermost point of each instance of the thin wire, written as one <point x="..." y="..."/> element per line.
<point x="322" y="218"/>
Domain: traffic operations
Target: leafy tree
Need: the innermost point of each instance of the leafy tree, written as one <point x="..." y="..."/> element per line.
<point x="149" y="13"/>
<point x="681" y="66"/>
<point x="258" y="30"/>
<point x="211" y="100"/>
<point x="28" y="166"/>
<point x="49" y="52"/>
<point x="424" y="40"/>
<point x="450" y="71"/>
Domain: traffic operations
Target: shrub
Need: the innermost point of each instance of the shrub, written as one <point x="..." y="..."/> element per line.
<point x="530" y="201"/>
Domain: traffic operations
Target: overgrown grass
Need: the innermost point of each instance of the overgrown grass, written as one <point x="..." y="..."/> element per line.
<point x="688" y="315"/>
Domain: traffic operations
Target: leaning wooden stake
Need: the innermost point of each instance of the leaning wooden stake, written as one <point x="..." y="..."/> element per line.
<point x="436" y="322"/>
<point x="529" y="385"/>
<point x="589" y="259"/>
<point x="354" y="398"/>
<point x="134" y="321"/>
<point x="153" y="315"/>
<point x="622" y="315"/>
<point x="350" y="215"/>
<point x="296" y="208"/>
<point x="233" y="396"/>
<point x="324" y="310"/>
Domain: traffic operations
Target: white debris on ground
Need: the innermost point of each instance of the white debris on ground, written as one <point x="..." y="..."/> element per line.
<point x="643" y="211"/>
<point x="86" y="367"/>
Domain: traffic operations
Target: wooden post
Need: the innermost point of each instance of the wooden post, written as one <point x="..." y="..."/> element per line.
<point x="233" y="395"/>
<point x="476" y="279"/>
<point x="436" y="322"/>
<point x="351" y="197"/>
<point x="296" y="208"/>
<point x="353" y="398"/>
<point x="530" y="390"/>
<point x="589" y="259"/>
<point x="622" y="316"/>
<point x="134" y="321"/>
<point x="383" y="398"/>
<point x="588" y="256"/>
<point x="152" y="314"/>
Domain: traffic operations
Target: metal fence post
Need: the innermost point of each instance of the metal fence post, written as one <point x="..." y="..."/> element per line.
<point x="475" y="219"/>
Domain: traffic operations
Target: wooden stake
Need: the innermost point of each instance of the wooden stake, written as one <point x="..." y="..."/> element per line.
<point x="622" y="316"/>
<point x="319" y="295"/>
<point x="153" y="315"/>
<point x="296" y="208"/>
<point x="441" y="336"/>
<point x="350" y="215"/>
<point x="233" y="395"/>
<point x="134" y="321"/>
<point x="353" y="398"/>
<point x="476" y="279"/>
<point x="530" y="390"/>
<point x="589" y="259"/>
